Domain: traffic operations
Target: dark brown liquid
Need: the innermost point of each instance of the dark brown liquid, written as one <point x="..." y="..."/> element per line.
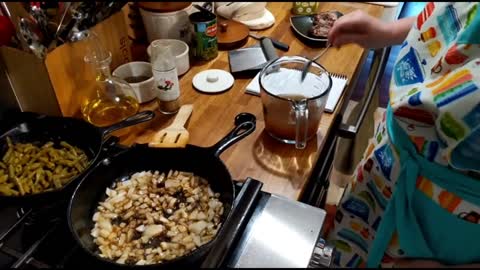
<point x="280" y="116"/>
<point x="136" y="79"/>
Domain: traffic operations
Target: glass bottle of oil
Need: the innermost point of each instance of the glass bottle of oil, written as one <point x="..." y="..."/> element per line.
<point x="113" y="99"/>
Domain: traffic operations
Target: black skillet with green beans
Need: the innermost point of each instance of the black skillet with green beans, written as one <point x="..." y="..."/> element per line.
<point x="41" y="157"/>
<point x="28" y="169"/>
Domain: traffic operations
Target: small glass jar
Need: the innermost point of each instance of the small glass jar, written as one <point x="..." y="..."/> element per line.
<point x="165" y="74"/>
<point x="305" y="8"/>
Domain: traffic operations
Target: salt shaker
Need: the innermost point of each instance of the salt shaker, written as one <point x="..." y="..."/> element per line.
<point x="166" y="79"/>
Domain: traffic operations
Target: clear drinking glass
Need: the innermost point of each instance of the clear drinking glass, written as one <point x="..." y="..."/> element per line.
<point x="292" y="109"/>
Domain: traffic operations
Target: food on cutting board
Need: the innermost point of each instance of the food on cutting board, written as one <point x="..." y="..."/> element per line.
<point x="28" y="169"/>
<point x="322" y="23"/>
<point x="152" y="218"/>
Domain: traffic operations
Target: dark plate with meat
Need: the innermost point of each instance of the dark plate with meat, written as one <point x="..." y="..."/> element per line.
<point x="313" y="29"/>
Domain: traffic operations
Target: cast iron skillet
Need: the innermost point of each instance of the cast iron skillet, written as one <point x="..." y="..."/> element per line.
<point x="39" y="129"/>
<point x="204" y="162"/>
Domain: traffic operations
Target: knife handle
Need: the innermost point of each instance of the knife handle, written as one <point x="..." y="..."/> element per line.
<point x="268" y="49"/>
<point x="280" y="45"/>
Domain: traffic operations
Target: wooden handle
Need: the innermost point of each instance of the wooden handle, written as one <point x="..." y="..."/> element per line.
<point x="182" y="115"/>
<point x="223" y="27"/>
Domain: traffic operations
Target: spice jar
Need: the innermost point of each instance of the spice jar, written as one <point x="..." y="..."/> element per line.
<point x="305" y="8"/>
<point x="166" y="78"/>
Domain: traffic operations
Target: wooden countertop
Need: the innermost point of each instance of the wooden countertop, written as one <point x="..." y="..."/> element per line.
<point x="283" y="169"/>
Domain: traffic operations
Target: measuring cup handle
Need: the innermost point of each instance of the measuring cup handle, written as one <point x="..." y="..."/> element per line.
<point x="301" y="120"/>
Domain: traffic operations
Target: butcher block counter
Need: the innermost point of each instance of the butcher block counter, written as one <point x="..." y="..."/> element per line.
<point x="283" y="169"/>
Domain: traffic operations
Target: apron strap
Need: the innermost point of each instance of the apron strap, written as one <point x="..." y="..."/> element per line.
<point x="399" y="215"/>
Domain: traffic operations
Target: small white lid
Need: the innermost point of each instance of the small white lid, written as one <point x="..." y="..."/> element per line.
<point x="213" y="81"/>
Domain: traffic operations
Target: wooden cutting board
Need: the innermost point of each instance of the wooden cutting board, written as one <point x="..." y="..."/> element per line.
<point x="231" y="34"/>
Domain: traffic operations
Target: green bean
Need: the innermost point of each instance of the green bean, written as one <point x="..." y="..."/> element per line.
<point x="3" y="178"/>
<point x="79" y="166"/>
<point x="48" y="145"/>
<point x="9" y="142"/>
<point x="19" y="185"/>
<point x="28" y="169"/>
<point x="6" y="157"/>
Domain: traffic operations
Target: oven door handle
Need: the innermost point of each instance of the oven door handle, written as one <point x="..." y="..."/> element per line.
<point x="380" y="60"/>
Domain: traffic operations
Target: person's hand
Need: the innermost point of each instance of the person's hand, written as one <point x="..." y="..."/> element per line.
<point x="361" y="28"/>
<point x="413" y="263"/>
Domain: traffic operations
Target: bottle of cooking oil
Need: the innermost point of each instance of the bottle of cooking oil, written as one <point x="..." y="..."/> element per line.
<point x="113" y="99"/>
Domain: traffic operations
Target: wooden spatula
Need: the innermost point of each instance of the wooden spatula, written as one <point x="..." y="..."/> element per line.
<point x="175" y="135"/>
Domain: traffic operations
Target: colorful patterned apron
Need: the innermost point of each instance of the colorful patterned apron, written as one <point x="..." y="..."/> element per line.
<point x="409" y="198"/>
<point x="424" y="228"/>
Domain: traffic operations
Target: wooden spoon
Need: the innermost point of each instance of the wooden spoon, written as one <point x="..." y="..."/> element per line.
<point x="175" y="135"/>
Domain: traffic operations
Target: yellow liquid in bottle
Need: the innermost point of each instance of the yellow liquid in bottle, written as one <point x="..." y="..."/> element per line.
<point x="105" y="112"/>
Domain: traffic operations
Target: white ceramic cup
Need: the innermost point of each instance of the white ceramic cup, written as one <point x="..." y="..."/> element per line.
<point x="143" y="90"/>
<point x="164" y="25"/>
<point x="179" y="48"/>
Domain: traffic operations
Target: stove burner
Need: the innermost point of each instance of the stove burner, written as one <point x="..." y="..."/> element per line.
<point x="45" y="214"/>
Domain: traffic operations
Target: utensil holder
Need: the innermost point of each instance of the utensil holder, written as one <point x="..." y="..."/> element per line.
<point x="63" y="77"/>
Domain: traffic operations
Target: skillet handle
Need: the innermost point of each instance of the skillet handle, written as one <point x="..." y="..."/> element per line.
<point x="130" y="121"/>
<point x="232" y="229"/>
<point x="245" y="124"/>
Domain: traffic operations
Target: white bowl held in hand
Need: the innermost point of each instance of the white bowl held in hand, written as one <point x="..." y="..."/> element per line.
<point x="179" y="48"/>
<point x="139" y="76"/>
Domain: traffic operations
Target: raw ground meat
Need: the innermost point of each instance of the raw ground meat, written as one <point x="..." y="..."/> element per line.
<point x="322" y="23"/>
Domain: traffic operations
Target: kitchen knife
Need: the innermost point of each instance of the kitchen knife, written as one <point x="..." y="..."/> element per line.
<point x="277" y="44"/>
<point x="252" y="59"/>
<point x="268" y="49"/>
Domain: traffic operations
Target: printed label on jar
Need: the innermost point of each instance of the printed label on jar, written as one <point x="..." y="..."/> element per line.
<point x="166" y="84"/>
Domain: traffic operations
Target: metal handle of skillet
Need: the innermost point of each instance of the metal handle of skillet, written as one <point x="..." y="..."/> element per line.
<point x="130" y="121"/>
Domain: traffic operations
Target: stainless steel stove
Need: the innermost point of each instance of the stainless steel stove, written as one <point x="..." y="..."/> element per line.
<point x="281" y="233"/>
<point x="266" y="231"/>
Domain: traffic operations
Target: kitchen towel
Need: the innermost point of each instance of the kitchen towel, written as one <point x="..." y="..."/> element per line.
<point x="339" y="83"/>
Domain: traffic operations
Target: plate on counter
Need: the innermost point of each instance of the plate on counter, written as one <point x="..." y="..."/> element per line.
<point x="302" y="25"/>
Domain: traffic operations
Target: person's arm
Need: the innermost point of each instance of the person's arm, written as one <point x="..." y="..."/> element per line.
<point x="400" y="29"/>
<point x="368" y="31"/>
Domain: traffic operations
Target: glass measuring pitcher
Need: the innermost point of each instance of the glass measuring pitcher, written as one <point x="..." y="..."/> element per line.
<point x="292" y="109"/>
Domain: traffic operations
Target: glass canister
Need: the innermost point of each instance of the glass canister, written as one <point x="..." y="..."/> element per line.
<point x="292" y="109"/>
<point x="113" y="99"/>
<point x="305" y="8"/>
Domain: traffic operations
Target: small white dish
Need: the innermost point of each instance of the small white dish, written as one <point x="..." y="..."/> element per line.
<point x="179" y="48"/>
<point x="144" y="90"/>
<point x="213" y="81"/>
